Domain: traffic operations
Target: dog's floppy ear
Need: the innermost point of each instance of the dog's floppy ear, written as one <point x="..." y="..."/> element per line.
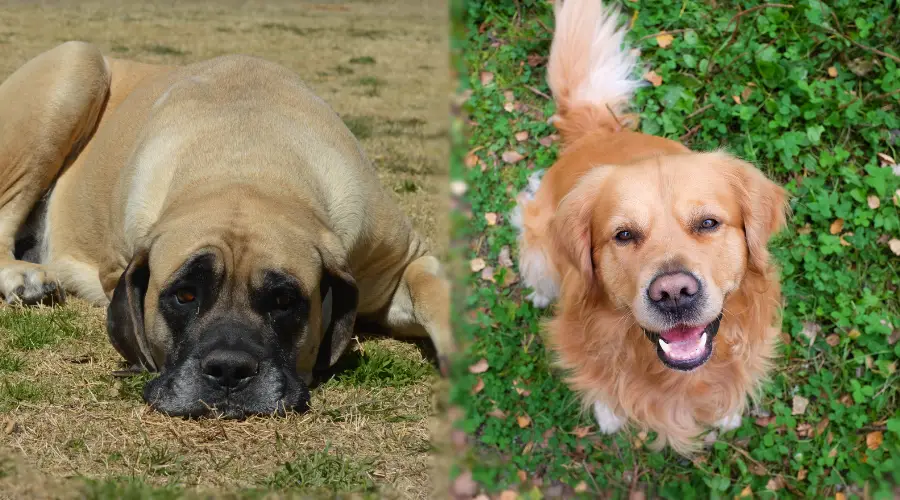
<point x="570" y="228"/>
<point x="340" y="298"/>
<point x="125" y="314"/>
<point x="764" y="208"/>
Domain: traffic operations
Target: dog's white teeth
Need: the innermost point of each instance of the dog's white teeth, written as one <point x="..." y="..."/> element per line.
<point x="703" y="339"/>
<point x="664" y="345"/>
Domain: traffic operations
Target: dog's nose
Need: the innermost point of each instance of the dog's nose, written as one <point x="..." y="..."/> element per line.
<point x="229" y="367"/>
<point x="674" y="291"/>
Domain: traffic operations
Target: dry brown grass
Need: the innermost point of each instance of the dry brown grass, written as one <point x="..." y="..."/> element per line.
<point x="382" y="66"/>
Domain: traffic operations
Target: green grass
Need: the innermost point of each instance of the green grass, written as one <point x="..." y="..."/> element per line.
<point x="10" y="362"/>
<point x="29" y="328"/>
<point x="817" y="134"/>
<point x="362" y="60"/>
<point x="324" y="471"/>
<point x="13" y="393"/>
<point x="379" y="367"/>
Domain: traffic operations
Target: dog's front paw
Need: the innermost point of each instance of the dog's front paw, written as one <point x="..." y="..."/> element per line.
<point x="607" y="419"/>
<point x="539" y="300"/>
<point x="729" y="423"/>
<point x="28" y="284"/>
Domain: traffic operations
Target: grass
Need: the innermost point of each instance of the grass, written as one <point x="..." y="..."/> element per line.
<point x="800" y="91"/>
<point x="68" y="427"/>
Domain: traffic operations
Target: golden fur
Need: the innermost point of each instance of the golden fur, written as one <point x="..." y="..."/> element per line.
<point x="607" y="178"/>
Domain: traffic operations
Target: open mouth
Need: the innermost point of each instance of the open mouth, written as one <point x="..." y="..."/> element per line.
<point x="685" y="347"/>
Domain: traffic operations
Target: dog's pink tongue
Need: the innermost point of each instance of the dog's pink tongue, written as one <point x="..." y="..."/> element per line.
<point x="680" y="334"/>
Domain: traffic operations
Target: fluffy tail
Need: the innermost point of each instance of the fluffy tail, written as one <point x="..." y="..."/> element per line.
<point x="590" y="71"/>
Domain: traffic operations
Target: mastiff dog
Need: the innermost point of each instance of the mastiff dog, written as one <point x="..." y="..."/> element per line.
<point x="223" y="213"/>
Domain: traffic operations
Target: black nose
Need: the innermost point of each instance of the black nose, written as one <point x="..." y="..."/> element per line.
<point x="674" y="291"/>
<point x="229" y="368"/>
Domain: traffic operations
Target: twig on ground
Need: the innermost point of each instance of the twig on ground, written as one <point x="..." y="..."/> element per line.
<point x="538" y="92"/>
<point x="699" y="111"/>
<point x="864" y="47"/>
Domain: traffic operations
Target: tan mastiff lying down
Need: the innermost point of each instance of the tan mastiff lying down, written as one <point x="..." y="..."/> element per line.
<point x="223" y="212"/>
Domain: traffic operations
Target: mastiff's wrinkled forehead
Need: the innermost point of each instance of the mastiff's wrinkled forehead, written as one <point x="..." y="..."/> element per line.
<point x="234" y="310"/>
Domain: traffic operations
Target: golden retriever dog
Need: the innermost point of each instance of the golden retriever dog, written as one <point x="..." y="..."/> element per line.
<point x="667" y="303"/>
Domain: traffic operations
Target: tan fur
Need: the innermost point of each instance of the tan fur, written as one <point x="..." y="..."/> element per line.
<point x="234" y="154"/>
<point x="607" y="178"/>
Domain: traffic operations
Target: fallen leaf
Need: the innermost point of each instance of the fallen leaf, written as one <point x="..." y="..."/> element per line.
<point x="491" y="218"/>
<point x="833" y="452"/>
<point x="10" y="427"/>
<point x="746" y="492"/>
<point x="765" y="421"/>
<point x="821" y="426"/>
<point x="523" y="421"/>
<point x="801" y="474"/>
<point x="664" y="40"/>
<point x="522" y="476"/>
<point x="522" y="392"/>
<point x="832" y="340"/>
<point x="480" y="366"/>
<point x="737" y="99"/>
<point x="476" y="264"/>
<point x="653" y="78"/>
<point x="582" y="431"/>
<point x="509" y="107"/>
<point x="811" y="330"/>
<point x="799" y="405"/>
<point x="836" y="226"/>
<point x="581" y="487"/>
<point x="512" y="156"/>
<point x="775" y="484"/>
<point x="747" y="92"/>
<point x="536" y="60"/>
<point x="509" y="495"/>
<point x="486" y="78"/>
<point x="885" y="158"/>
<point x="806" y="229"/>
<point x="547" y="141"/>
<point x="528" y="447"/>
<point x="804" y="430"/>
<point x="471" y="160"/>
<point x="497" y="413"/>
<point x="479" y="386"/>
<point x="503" y="258"/>
<point x="854" y="333"/>
<point x="894" y="245"/>
<point x="509" y="278"/>
<point x="874" y="440"/>
<point x="522" y="136"/>
<point x="758" y="469"/>
<point x="464" y="485"/>
<point x="832" y="72"/>
<point x="873" y="201"/>
<point x="845" y="243"/>
<point x="840" y="496"/>
<point x="487" y="274"/>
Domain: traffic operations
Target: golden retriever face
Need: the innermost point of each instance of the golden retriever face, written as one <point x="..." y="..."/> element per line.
<point x="668" y="240"/>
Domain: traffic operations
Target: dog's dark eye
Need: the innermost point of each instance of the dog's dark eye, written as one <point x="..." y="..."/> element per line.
<point x="624" y="236"/>
<point x="283" y="300"/>
<point x="708" y="224"/>
<point x="185" y="295"/>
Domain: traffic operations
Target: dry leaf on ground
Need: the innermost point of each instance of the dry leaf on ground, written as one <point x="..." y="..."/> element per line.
<point x="480" y="366"/>
<point x="477" y="264"/>
<point x="512" y="156"/>
<point x="836" y="226"/>
<point x="653" y="78"/>
<point x="486" y="78"/>
<point x="664" y="40"/>
<point x="799" y="405"/>
<point x="874" y="440"/>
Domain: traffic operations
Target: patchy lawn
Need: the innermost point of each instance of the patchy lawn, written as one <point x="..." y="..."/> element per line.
<point x="68" y="427"/>
<point x="808" y="92"/>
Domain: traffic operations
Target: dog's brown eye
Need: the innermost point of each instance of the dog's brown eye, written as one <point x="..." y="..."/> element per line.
<point x="624" y="236"/>
<point x="185" y="295"/>
<point x="709" y="224"/>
